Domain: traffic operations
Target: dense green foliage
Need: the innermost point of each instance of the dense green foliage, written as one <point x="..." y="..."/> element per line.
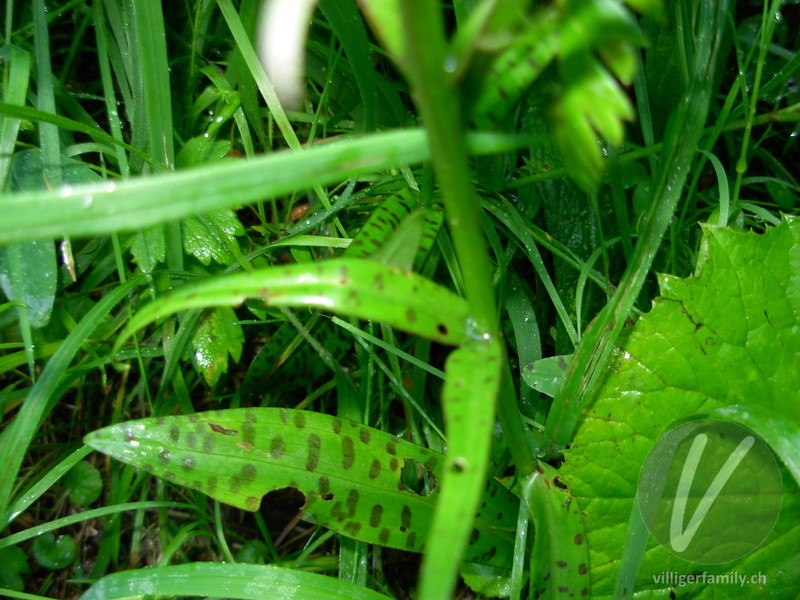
<point x="413" y="290"/>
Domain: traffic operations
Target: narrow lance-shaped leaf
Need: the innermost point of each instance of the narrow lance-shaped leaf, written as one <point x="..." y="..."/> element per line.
<point x="584" y="373"/>
<point x="213" y="580"/>
<point x="358" y="288"/>
<point x="125" y="206"/>
<point x="560" y="557"/>
<point x="471" y="388"/>
<point x="350" y="475"/>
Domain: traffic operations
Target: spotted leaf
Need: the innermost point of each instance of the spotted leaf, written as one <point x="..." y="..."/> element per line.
<point x="471" y="388"/>
<point x="353" y="478"/>
<point x="398" y="233"/>
<point x="560" y="557"/>
<point x="352" y="287"/>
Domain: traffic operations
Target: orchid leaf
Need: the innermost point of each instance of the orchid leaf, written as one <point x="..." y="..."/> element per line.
<point x="353" y="478"/>
<point x="353" y="287"/>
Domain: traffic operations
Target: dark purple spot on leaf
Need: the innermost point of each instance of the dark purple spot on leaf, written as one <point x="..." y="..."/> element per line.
<point x="276" y="447"/>
<point x="314" y="445"/>
<point x="352" y="502"/>
<point x="248" y="472"/>
<point x="352" y="527"/>
<point x="405" y="518"/>
<point x="375" y="469"/>
<point x="411" y="542"/>
<point x="348" y="452"/>
<point x="375" y="515"/>
<point x="364" y="435"/>
<point x="249" y="433"/>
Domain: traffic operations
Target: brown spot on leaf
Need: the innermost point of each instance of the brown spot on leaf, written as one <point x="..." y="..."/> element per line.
<point x="223" y="430"/>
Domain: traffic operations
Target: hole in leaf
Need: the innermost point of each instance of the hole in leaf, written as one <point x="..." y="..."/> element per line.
<point x="280" y="506"/>
<point x="415" y="478"/>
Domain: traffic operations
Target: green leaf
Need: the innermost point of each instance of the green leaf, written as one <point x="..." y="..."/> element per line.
<point x="36" y="294"/>
<point x="727" y="336"/>
<point x="470" y="394"/>
<point x="381" y="224"/>
<point x="514" y="69"/>
<point x="18" y="261"/>
<point x="352" y="287"/>
<point x="385" y="19"/>
<point x="149" y="248"/>
<point x="206" y="237"/>
<point x="212" y="580"/>
<point x="545" y="375"/>
<point x="140" y="202"/>
<point x="592" y="105"/>
<point x="53" y="552"/>
<point x="84" y="483"/>
<point x="217" y="335"/>
<point x="398" y="233"/>
<point x="560" y="557"/>
<point x="254" y="552"/>
<point x="13" y="562"/>
<point x="349" y="474"/>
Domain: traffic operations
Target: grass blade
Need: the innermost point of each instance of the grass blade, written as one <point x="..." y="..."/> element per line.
<point x="16" y="437"/>
<point x="683" y="135"/>
<point x="212" y="580"/>
<point x="139" y="203"/>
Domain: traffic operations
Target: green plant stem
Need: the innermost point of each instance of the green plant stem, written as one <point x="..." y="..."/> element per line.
<point x="439" y="106"/>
